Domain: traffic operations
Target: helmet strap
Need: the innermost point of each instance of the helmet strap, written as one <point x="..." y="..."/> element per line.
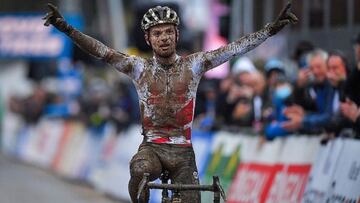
<point x="177" y="34"/>
<point x="146" y="36"/>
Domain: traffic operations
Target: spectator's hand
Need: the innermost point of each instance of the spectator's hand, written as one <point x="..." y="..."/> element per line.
<point x="233" y="94"/>
<point x="225" y="84"/>
<point x="53" y="16"/>
<point x="295" y="114"/>
<point x="241" y="110"/>
<point x="237" y="92"/>
<point x="294" y="123"/>
<point x="350" y="110"/>
<point x="267" y="112"/>
<point x="303" y="77"/>
<point x="246" y="92"/>
<point x="285" y="18"/>
<point x="294" y="109"/>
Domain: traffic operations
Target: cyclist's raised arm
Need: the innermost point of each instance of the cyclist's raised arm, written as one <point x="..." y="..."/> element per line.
<point x="122" y="62"/>
<point x="214" y="58"/>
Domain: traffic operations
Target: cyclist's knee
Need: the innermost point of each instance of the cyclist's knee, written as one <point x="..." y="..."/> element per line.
<point x="139" y="167"/>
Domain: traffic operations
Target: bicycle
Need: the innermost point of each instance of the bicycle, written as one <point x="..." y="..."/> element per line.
<point x="145" y="185"/>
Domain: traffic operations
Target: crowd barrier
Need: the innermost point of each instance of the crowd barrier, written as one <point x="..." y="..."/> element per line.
<point x="285" y="170"/>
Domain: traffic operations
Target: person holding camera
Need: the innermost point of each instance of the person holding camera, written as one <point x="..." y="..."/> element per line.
<point x="313" y="97"/>
<point x="351" y="107"/>
<point x="338" y="70"/>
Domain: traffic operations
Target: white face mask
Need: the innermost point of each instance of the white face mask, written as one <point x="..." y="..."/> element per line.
<point x="283" y="92"/>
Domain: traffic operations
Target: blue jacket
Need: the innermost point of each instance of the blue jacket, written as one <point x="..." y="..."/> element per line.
<point x="324" y="94"/>
<point x="274" y="129"/>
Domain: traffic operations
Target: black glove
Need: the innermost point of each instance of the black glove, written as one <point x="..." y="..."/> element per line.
<point x="285" y="17"/>
<point x="55" y="18"/>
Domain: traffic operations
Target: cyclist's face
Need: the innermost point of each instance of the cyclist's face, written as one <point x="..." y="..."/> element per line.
<point x="162" y="39"/>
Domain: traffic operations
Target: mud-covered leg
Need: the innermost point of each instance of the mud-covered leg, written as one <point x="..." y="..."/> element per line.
<point x="187" y="174"/>
<point x="145" y="161"/>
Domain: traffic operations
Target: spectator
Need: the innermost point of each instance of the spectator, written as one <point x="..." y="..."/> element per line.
<point x="312" y="88"/>
<point x="95" y="104"/>
<point x="243" y="64"/>
<point x="281" y="98"/>
<point x="235" y="105"/>
<point x="30" y="108"/>
<point x="259" y="101"/>
<point x="352" y="111"/>
<point x="353" y="84"/>
<point x="301" y="51"/>
<point x="225" y="84"/>
<point x="273" y="68"/>
<point x="351" y="107"/>
<point x="337" y="74"/>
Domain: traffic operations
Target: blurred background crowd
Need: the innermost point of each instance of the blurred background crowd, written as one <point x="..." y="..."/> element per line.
<point x="304" y="80"/>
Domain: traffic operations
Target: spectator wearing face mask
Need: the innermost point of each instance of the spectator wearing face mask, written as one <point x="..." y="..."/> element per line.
<point x="273" y="69"/>
<point x="281" y="98"/>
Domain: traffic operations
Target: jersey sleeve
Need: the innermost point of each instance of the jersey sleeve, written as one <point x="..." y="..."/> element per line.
<point x="129" y="65"/>
<point x="211" y="59"/>
<point x="132" y="66"/>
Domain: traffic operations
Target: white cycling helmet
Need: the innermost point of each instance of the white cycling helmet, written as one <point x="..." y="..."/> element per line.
<point x="159" y="15"/>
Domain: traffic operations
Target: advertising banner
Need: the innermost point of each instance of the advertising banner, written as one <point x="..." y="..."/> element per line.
<point x="25" y="36"/>
<point x="289" y="183"/>
<point x="265" y="183"/>
<point x="113" y="177"/>
<point x="201" y="142"/>
<point x="252" y="183"/>
<point x="69" y="149"/>
<point x="44" y="142"/>
<point x="277" y="172"/>
<point x="346" y="182"/>
<point x="222" y="161"/>
<point x="321" y="175"/>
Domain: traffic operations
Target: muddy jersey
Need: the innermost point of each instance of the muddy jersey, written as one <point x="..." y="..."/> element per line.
<point x="167" y="92"/>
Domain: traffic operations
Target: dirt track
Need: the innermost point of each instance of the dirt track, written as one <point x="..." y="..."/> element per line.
<point x="20" y="183"/>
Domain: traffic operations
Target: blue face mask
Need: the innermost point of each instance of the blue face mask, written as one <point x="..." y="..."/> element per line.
<point x="283" y="92"/>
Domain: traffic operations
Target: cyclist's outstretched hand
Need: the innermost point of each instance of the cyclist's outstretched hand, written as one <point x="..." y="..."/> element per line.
<point x="285" y="17"/>
<point x="53" y="17"/>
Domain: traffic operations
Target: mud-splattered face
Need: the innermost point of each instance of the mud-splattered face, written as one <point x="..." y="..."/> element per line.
<point x="162" y="39"/>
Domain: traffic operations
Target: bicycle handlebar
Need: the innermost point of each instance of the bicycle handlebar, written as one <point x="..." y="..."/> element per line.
<point x="215" y="187"/>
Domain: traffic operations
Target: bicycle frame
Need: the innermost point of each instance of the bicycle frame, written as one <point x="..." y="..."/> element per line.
<point x="176" y="188"/>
